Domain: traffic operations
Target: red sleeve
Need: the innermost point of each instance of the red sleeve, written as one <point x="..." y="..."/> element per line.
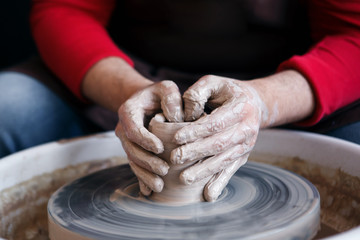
<point x="332" y="65"/>
<point x="71" y="36"/>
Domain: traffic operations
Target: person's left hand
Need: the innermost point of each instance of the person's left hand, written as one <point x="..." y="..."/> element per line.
<point x="223" y="139"/>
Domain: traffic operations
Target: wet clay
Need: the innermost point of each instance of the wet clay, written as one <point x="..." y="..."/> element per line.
<point x="175" y="192"/>
<point x="33" y="225"/>
<point x="260" y="201"/>
<point x="23" y="207"/>
<point x="340" y="204"/>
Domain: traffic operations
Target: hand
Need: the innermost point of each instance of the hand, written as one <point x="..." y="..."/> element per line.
<point x="224" y="138"/>
<point x="139" y="144"/>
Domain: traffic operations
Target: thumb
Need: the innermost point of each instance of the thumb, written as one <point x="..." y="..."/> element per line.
<point x="198" y="94"/>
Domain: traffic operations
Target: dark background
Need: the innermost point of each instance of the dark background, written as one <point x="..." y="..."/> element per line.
<point x="16" y="42"/>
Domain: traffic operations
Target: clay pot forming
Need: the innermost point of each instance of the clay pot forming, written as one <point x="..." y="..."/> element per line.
<point x="174" y="192"/>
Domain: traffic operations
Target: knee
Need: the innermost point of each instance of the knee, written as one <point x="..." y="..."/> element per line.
<point x="20" y="97"/>
<point x="14" y="106"/>
<point x="349" y="132"/>
<point x="31" y="114"/>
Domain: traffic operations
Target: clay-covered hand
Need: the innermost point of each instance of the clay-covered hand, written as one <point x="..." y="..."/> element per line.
<point x="221" y="140"/>
<point x="141" y="145"/>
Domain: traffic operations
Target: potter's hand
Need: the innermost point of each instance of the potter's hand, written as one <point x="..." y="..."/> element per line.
<point x="138" y="142"/>
<point x="224" y="138"/>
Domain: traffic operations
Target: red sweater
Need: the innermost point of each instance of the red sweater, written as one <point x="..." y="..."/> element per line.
<point x="71" y="37"/>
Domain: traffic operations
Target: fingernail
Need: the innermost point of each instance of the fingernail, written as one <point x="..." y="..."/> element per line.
<point x="158" y="185"/>
<point x="163" y="170"/>
<point x="156" y="148"/>
<point x="187" y="178"/>
<point x="180" y="137"/>
<point x="179" y="116"/>
<point x="211" y="197"/>
<point x="145" y="190"/>
<point x="211" y="192"/>
<point x="176" y="156"/>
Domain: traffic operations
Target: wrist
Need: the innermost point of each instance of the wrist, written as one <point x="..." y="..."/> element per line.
<point x="287" y="97"/>
<point x="111" y="81"/>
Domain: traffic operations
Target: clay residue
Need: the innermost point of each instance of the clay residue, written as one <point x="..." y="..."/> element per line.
<point x="23" y="207"/>
<point x="23" y="210"/>
<point x="339" y="191"/>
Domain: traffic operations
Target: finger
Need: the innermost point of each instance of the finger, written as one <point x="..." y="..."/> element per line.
<point x="145" y="190"/>
<point x="154" y="182"/>
<point x="213" y="165"/>
<point x="215" y="186"/>
<point x="212" y="145"/>
<point x="196" y="97"/>
<point x="230" y="113"/>
<point x="131" y="121"/>
<point x="171" y="101"/>
<point x="139" y="135"/>
<point x="143" y="158"/>
<point x="212" y="89"/>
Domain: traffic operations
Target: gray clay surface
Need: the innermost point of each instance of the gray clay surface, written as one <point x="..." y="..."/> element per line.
<point x="260" y="200"/>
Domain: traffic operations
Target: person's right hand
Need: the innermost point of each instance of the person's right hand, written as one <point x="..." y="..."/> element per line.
<point x="139" y="144"/>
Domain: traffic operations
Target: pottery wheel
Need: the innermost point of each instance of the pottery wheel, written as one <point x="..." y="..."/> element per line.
<point x="260" y="201"/>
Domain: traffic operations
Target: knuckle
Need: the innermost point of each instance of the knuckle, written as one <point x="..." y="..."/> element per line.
<point x="248" y="131"/>
<point x="237" y="152"/>
<point x="216" y="125"/>
<point x="252" y="132"/>
<point x="168" y="84"/>
<point x="191" y="95"/>
<point x="172" y="97"/>
<point x="125" y="109"/>
<point x="207" y="77"/>
<point x="220" y="144"/>
<point x="121" y="109"/>
<point x="132" y="133"/>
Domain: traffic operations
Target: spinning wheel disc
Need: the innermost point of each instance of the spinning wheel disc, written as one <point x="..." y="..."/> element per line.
<point x="260" y="201"/>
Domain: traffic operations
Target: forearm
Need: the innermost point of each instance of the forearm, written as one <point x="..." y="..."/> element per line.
<point x="287" y="98"/>
<point x="111" y="81"/>
<point x="71" y="37"/>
